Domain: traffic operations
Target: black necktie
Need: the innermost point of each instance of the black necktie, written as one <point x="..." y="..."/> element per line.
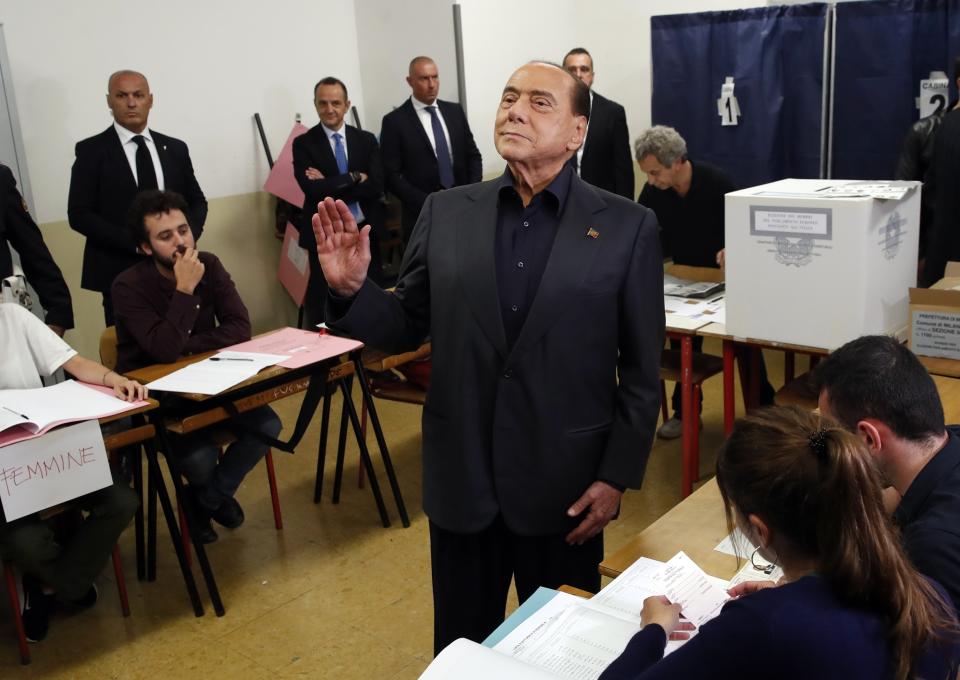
<point x="146" y="175"/>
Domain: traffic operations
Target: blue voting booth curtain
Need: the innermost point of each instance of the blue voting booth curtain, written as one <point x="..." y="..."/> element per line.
<point x="883" y="50"/>
<point x="775" y="55"/>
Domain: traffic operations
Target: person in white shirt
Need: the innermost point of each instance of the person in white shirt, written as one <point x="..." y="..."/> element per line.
<point x="59" y="571"/>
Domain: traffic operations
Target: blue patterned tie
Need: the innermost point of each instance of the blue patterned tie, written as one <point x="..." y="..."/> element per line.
<point x="341" y="155"/>
<point x="443" y="151"/>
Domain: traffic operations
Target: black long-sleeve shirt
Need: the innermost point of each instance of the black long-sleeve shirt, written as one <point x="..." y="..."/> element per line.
<point x="157" y="324"/>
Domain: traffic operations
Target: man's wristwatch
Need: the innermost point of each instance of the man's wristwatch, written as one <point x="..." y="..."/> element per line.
<point x="355" y="176"/>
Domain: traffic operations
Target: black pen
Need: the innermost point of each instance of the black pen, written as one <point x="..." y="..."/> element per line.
<point x="228" y="359"/>
<point x="15" y="413"/>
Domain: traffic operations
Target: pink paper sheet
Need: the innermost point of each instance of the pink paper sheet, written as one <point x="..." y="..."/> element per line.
<point x="281" y="181"/>
<point x="304" y="347"/>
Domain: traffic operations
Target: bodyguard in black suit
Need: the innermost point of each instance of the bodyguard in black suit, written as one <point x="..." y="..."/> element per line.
<point x="359" y="185"/>
<point x="604" y="160"/>
<point x="408" y="140"/>
<point x="19" y="230"/>
<point x="538" y="291"/>
<point x="110" y="169"/>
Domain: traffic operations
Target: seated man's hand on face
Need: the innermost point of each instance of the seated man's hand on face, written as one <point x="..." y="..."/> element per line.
<point x="188" y="269"/>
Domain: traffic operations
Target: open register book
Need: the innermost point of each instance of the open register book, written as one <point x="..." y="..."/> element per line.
<point x="576" y="639"/>
<point x="29" y="413"/>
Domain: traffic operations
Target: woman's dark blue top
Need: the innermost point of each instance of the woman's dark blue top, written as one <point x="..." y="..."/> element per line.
<point x="795" y="631"/>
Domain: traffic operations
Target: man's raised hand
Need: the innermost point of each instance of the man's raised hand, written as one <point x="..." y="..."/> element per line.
<point x="342" y="248"/>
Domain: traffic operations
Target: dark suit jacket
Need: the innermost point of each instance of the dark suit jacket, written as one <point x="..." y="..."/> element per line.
<point x="410" y="162"/>
<point x="101" y="191"/>
<point x="607" y="162"/>
<point x="312" y="149"/>
<point x="524" y="431"/>
<point x="19" y="230"/>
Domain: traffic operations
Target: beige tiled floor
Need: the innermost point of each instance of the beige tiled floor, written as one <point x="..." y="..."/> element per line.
<point x="333" y="595"/>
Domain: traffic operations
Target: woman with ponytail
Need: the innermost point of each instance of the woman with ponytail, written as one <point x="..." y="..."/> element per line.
<point x="849" y="606"/>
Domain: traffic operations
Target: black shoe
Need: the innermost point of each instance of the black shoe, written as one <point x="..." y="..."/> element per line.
<point x="86" y="601"/>
<point x="201" y="516"/>
<point x="36" y="610"/>
<point x="229" y="514"/>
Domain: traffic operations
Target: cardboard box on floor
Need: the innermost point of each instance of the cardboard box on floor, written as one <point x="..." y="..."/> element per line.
<point x="935" y="317"/>
<point x="805" y="269"/>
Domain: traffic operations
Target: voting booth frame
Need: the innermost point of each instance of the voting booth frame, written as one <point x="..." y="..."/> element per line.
<point x="803" y="91"/>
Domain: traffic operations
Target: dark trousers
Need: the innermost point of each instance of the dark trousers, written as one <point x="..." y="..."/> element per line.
<point x="216" y="478"/>
<point x="743" y="356"/>
<point x="472" y="572"/>
<point x="70" y="566"/>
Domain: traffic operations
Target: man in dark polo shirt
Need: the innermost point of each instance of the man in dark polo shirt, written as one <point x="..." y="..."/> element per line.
<point x="876" y="387"/>
<point x="182" y="301"/>
<point x="687" y="198"/>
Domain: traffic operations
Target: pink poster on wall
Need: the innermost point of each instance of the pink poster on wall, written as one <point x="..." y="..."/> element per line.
<point x="281" y="182"/>
<point x="294" y="270"/>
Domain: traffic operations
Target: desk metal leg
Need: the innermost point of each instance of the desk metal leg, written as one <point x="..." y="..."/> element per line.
<point x="364" y="453"/>
<point x="154" y="473"/>
<point x="690" y="419"/>
<point x="381" y="440"/>
<point x="136" y="462"/>
<point x="152" y="523"/>
<point x="322" y="448"/>
<point x="729" y="398"/>
<point x="346" y="384"/>
<point x="198" y="546"/>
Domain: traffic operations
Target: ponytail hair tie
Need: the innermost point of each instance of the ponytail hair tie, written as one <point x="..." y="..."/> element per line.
<point x="818" y="444"/>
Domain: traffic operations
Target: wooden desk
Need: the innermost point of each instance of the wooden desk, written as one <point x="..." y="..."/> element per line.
<point x="197" y="411"/>
<point x="695" y="525"/>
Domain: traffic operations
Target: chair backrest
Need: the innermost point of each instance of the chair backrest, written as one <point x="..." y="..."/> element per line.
<point x="108" y="347"/>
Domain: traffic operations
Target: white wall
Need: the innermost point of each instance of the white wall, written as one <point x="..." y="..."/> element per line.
<point x="499" y="36"/>
<point x="211" y="65"/>
<point x="390" y="34"/>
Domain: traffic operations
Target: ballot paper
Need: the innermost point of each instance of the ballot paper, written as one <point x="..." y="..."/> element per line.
<point x="737" y="544"/>
<point x="217" y="373"/>
<point x="572" y="638"/>
<point x="684" y="583"/>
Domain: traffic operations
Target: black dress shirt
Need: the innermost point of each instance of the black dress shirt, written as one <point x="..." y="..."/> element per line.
<point x="156" y="323"/>
<point x="525" y="238"/>
<point x="692" y="225"/>
<point x="929" y="518"/>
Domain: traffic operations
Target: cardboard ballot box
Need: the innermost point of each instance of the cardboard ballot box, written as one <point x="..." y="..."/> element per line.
<point x="935" y="316"/>
<point x="820" y="262"/>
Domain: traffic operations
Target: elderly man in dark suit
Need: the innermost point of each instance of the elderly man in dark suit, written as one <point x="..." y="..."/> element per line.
<point x="539" y="291"/>
<point x="604" y="160"/>
<point x="427" y="144"/>
<point x="110" y="169"/>
<point x="338" y="160"/>
<point x="19" y="230"/>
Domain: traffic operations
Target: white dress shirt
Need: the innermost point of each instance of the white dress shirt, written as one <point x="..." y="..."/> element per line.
<point x="427" y="124"/>
<point x="130" y="149"/>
